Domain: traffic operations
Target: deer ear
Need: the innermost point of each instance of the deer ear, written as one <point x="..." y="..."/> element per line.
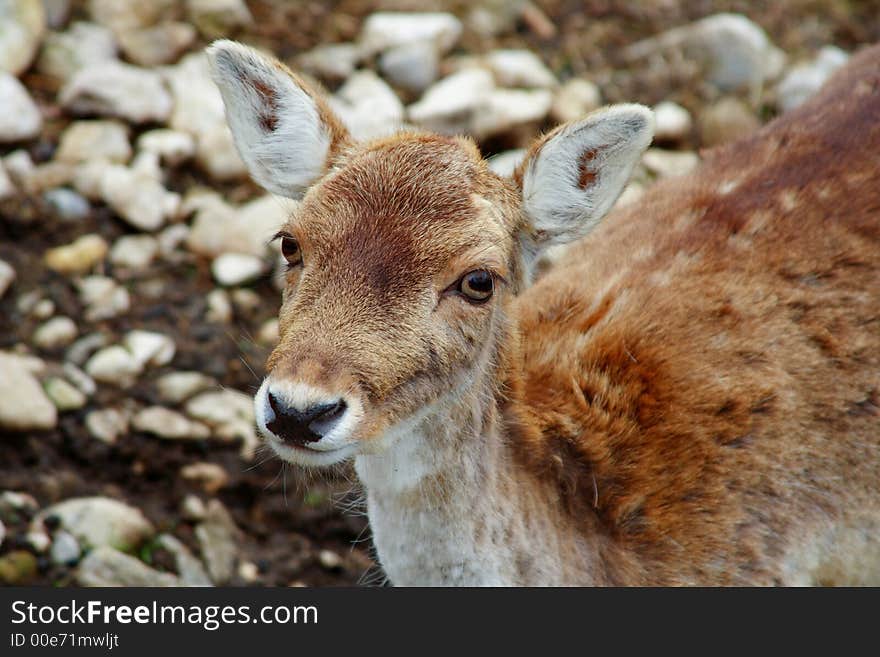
<point x="571" y="177"/>
<point x="285" y="132"/>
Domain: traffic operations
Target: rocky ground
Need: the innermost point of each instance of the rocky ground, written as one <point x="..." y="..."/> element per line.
<point x="137" y="280"/>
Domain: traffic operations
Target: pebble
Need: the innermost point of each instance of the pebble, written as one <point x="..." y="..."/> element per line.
<point x="672" y="122"/>
<point x="105" y="566"/>
<point x="334" y="61"/>
<point x="269" y="334"/>
<point x="727" y="120"/>
<point x="237" y="268"/>
<point x="385" y="30"/>
<point x="99" y="521"/>
<point x="448" y="107"/>
<point x="170" y="240"/>
<point x="574" y="100"/>
<point x="246" y="301"/>
<point x="218" y="539"/>
<point x="78" y="257"/>
<point x="121" y="15"/>
<point x="665" y="163"/>
<point x="189" y="568"/>
<point x="138" y="198"/>
<point x="105" y="139"/>
<point x="38" y="541"/>
<point x="134" y="252"/>
<point x="24" y="405"/>
<point x="57" y="12"/>
<point x="80" y="350"/>
<point x="329" y="560"/>
<point x="7" y="277"/>
<point x="218" y="307"/>
<point x="82" y="45"/>
<point x="17" y="568"/>
<point x="368" y="107"/>
<point x="412" y="66"/>
<point x="248" y="572"/>
<point x="220" y="228"/>
<point x="65" y="549"/>
<point x="211" y="476"/>
<point x="114" y="365"/>
<point x="165" y="423"/>
<point x="22" y="26"/>
<point x="115" y="89"/>
<point x="7" y="187"/>
<point x="65" y="396"/>
<point x="505" y="163"/>
<point x="504" y="109"/>
<point x="158" y="44"/>
<point x="16" y="501"/>
<point x="107" y="424"/>
<point x="192" y="508"/>
<point x="20" y="119"/>
<point x="221" y="407"/>
<point x="104" y="297"/>
<point x="55" y="333"/>
<point x="80" y="379"/>
<point x="67" y="205"/>
<point x="804" y="80"/>
<point x="217" y="18"/>
<point x="172" y="146"/>
<point x="177" y="387"/>
<point x="520" y="68"/>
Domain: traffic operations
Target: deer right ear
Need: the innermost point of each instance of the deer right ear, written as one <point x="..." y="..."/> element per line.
<point x="285" y="133"/>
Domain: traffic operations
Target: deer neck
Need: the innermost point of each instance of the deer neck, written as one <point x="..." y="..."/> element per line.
<point x="449" y="504"/>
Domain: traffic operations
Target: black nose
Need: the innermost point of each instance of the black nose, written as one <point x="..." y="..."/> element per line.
<point x="299" y="427"/>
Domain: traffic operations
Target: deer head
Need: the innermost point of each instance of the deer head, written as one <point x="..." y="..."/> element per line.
<point x="404" y="253"/>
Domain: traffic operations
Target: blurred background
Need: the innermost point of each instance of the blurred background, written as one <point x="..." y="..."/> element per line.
<point x="138" y="287"/>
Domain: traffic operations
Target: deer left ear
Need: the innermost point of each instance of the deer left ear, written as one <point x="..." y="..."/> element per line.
<point x="284" y="130"/>
<point x="571" y="177"/>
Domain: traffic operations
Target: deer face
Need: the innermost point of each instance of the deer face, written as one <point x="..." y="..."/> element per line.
<point x="402" y="255"/>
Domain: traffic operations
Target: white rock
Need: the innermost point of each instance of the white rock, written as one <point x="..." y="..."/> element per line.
<point x="221" y="407"/>
<point x="134" y="251"/>
<point x="367" y="106"/>
<point x="211" y="476"/>
<point x="79" y="256"/>
<point x="23" y="404"/>
<point x="39" y="541"/>
<point x="159" y="44"/>
<point x="7" y="187"/>
<point x="84" y="347"/>
<point x="22" y="26"/>
<point x="220" y="228"/>
<point x="329" y="560"/>
<point x="57" y="12"/>
<point x="67" y="204"/>
<point x="94" y="140"/>
<point x="121" y="15"/>
<point x="172" y="146"/>
<point x="735" y="52"/>
<point x="165" y="423"/>
<point x="171" y="239"/>
<point x="335" y="61"/>
<point x="804" y="80"/>
<point x="149" y="348"/>
<point x="107" y="424"/>
<point x="56" y="333"/>
<point x="80" y="379"/>
<point x="65" y="549"/>
<point x="218" y="539"/>
<point x="574" y="100"/>
<point x="246" y="301"/>
<point x="237" y="268"/>
<point x="177" y="387"/>
<point x="104" y="297"/>
<point x="83" y="45"/>
<point x="666" y="163"/>
<point x="385" y="30"/>
<point x="105" y="566"/>
<point x="728" y="119"/>
<point x="189" y="568"/>
<point x="449" y="105"/>
<point x="87" y="178"/>
<point x="65" y="396"/>
<point x="20" y="118"/>
<point x="114" y="365"/>
<point x="672" y="122"/>
<point x="138" y="198"/>
<point x="199" y="111"/>
<point x="411" y="66"/>
<point x="11" y="500"/>
<point x="218" y="307"/>
<point x="248" y="571"/>
<point x="216" y="18"/>
<point x="7" y="277"/>
<point x="110" y="88"/>
<point x="192" y="508"/>
<point x="505" y="163"/>
<point x="520" y="68"/>
<point x="269" y="334"/>
<point x="19" y="165"/>
<point x="504" y="109"/>
<point x="43" y="309"/>
<point x="99" y="521"/>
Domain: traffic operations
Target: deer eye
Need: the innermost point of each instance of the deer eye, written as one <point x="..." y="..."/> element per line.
<point x="291" y="251"/>
<point x="477" y="286"/>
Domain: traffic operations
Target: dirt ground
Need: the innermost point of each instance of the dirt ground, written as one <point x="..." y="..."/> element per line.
<point x="288" y="519"/>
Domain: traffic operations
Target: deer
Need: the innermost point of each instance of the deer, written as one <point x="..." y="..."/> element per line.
<point x="689" y="395"/>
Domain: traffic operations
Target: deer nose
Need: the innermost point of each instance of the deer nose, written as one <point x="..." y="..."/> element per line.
<point x="307" y="425"/>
